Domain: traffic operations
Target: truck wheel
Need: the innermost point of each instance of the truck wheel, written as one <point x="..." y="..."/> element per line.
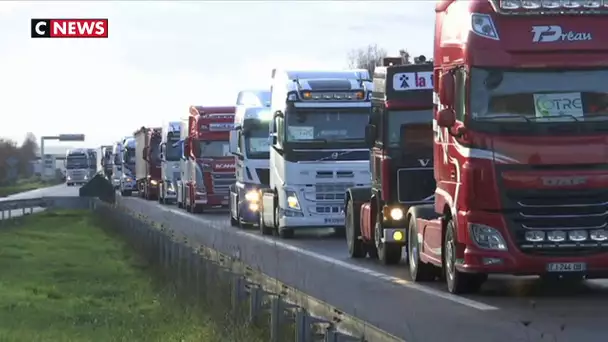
<point x="419" y="271"/>
<point x="356" y="248"/>
<point x="458" y="282"/>
<point x="389" y="254"/>
<point x="284" y="233"/>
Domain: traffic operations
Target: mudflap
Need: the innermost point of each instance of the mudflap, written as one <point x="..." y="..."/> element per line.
<point x="99" y="187"/>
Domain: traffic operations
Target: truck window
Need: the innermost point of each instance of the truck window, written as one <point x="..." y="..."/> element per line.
<point x="547" y="96"/>
<point x="396" y="118"/>
<point x="172" y="153"/>
<point x="328" y="125"/>
<point x="214" y="149"/>
<point x="129" y="155"/>
<point x="256" y="142"/>
<point x="78" y="161"/>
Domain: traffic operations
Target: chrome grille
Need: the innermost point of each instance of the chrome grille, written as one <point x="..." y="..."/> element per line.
<point x="222" y="181"/>
<point x="329" y="209"/>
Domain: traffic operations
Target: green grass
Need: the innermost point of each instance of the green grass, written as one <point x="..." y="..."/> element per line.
<point x="23" y="185"/>
<point x="62" y="278"/>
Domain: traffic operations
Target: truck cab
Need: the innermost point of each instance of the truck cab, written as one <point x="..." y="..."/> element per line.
<point x="77" y="166"/>
<point x="210" y="165"/>
<point x="520" y="144"/>
<point x="170" y="152"/>
<point x="400" y="137"/>
<point x="106" y="161"/>
<point x="128" y="182"/>
<point x="117" y="155"/>
<point x="93" y="162"/>
<point x="317" y="148"/>
<point x="147" y="162"/>
<point x="249" y="145"/>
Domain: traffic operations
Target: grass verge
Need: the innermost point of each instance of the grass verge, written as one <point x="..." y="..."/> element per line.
<point x="24" y="185"/>
<point x="65" y="279"/>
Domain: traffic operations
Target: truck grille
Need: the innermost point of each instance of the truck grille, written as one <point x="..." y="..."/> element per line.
<point x="559" y="222"/>
<point x="221" y="182"/>
<point x="415" y="185"/>
<point x="264" y="176"/>
<point x="329" y="197"/>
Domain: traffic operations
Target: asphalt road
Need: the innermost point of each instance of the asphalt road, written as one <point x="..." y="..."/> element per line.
<point x="507" y="309"/>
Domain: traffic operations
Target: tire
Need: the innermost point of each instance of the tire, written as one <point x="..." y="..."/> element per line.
<point x="264" y="230"/>
<point x="356" y="247"/>
<point x="388" y="254"/>
<point x="419" y="271"/>
<point x="285" y="233"/>
<point x="458" y="282"/>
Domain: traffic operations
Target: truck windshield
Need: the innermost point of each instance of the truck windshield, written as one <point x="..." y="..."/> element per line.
<point x="538" y="97"/>
<point x="76" y="162"/>
<point x="129" y="156"/>
<point x="256" y="142"/>
<point x="172" y="153"/>
<point x="326" y="125"/>
<point x="214" y="149"/>
<point x="396" y="118"/>
<point x="155" y="151"/>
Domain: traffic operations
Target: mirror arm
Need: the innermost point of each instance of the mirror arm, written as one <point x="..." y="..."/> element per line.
<point x="459" y="133"/>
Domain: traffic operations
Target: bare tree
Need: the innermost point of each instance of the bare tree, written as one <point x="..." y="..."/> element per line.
<point x="405" y="56"/>
<point x="366" y="58"/>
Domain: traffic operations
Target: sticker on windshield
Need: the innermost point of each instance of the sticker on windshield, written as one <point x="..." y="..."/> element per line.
<point x="259" y="144"/>
<point x="559" y="106"/>
<point x="301" y="132"/>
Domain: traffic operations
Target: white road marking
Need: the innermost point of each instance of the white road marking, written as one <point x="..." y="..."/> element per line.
<point x="385" y="277"/>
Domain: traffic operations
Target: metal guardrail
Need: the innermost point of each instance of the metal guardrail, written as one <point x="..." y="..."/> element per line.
<point x="200" y="267"/>
<point x="314" y="320"/>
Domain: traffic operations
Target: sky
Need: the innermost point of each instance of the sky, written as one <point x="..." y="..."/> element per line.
<point x="161" y="57"/>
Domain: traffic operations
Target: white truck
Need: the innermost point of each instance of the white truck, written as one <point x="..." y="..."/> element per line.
<point x="117" y="152"/>
<point x="317" y="148"/>
<point x="249" y="145"/>
<point x="183" y="164"/>
<point x="127" y="161"/>
<point x="77" y="166"/>
<point x="170" y="153"/>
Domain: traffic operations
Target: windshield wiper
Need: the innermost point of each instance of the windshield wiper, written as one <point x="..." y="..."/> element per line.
<point x="506" y="116"/>
<point x="541" y="118"/>
<point x="311" y="141"/>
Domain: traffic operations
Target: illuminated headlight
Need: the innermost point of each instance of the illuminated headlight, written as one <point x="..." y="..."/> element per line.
<point x="86" y="177"/>
<point x="252" y="196"/>
<point x="556" y="236"/>
<point x="396" y="214"/>
<point x="577" y="235"/>
<point x="487" y="237"/>
<point x="292" y="200"/>
<point x="535" y="236"/>
<point x="598" y="235"/>
<point x="69" y="178"/>
<point x="153" y="182"/>
<point x="483" y="25"/>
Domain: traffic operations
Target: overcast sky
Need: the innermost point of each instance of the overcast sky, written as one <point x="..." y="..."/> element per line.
<point x="162" y="57"/>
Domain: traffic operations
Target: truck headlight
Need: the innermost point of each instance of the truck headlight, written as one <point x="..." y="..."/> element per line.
<point x="170" y="186"/>
<point x="153" y="182"/>
<point x="396" y="214"/>
<point x="252" y="196"/>
<point x="292" y="200"/>
<point x="487" y="237"/>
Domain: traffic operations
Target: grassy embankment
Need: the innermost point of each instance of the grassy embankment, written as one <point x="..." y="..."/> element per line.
<point x="23" y="185"/>
<point x="65" y="279"/>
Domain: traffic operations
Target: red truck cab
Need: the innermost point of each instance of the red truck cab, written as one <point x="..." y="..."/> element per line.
<point x="147" y="162"/>
<point x="210" y="166"/>
<point x="520" y="143"/>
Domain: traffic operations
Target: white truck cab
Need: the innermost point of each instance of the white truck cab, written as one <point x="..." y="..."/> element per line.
<point x="249" y="144"/>
<point x="317" y="148"/>
<point x="117" y="164"/>
<point x="170" y="153"/>
<point x="128" y="183"/>
<point x="77" y="166"/>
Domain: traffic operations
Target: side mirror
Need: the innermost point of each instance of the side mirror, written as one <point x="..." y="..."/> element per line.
<point x="446" y="118"/>
<point x="370" y="135"/>
<point x="233" y="141"/>
<point x="273" y="139"/>
<point x="278" y="114"/>
<point x="446" y="89"/>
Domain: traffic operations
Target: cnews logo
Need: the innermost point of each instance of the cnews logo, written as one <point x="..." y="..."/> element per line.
<point x="69" y="28"/>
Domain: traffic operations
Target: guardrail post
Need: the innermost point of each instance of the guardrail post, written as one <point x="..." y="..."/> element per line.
<point x="256" y="303"/>
<point x="331" y="335"/>
<point x="277" y="317"/>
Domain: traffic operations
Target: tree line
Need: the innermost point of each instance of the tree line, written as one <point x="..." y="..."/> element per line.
<point x="370" y="56"/>
<point x="18" y="155"/>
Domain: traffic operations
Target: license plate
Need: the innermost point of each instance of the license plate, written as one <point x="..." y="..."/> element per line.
<point x="566" y="267"/>
<point x="334" y="221"/>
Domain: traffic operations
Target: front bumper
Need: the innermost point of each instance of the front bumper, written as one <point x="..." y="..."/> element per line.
<point x="128" y="186"/>
<point x="249" y="212"/>
<point x="513" y="261"/>
<point x="310" y="221"/>
<point x="212" y="200"/>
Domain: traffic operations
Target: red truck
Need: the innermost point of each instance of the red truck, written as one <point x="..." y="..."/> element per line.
<point x="210" y="167"/>
<point x="400" y="136"/>
<point x="147" y="162"/>
<point x="520" y="144"/>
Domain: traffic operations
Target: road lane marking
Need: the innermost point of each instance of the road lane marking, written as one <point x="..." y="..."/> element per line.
<point x="356" y="268"/>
